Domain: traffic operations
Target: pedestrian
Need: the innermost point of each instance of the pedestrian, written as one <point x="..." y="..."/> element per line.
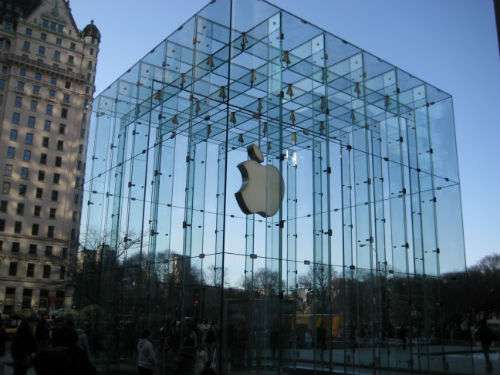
<point x="210" y="341"/>
<point x="23" y="348"/>
<point x="65" y="356"/>
<point x="42" y="334"/>
<point x="188" y="349"/>
<point x="486" y="338"/>
<point x="321" y="339"/>
<point x="3" y="342"/>
<point x="146" y="357"/>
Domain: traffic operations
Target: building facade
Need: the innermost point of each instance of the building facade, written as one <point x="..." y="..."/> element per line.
<point x="46" y="87"/>
<point x="354" y="269"/>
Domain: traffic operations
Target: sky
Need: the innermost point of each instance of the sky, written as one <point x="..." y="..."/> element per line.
<point x="451" y="44"/>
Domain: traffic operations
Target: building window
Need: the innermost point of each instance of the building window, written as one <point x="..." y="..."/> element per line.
<point x="64" y="113"/>
<point x="62" y="129"/>
<point x="59" y="299"/>
<point x="50" y="109"/>
<point x="72" y="46"/>
<point x="30" y="271"/>
<point x="58" y="162"/>
<point x="34" y="105"/>
<point x="59" y="41"/>
<point x="80" y="149"/>
<point x="27" y="294"/>
<point x="43" y="36"/>
<point x="89" y="65"/>
<point x="33" y="249"/>
<point x="50" y="231"/>
<point x="13" y="135"/>
<point x="54" y="195"/>
<point x="38" y="76"/>
<point x="52" y="93"/>
<point x="53" y="81"/>
<point x="71" y="61"/>
<point x="41" y="175"/>
<point x="67" y="84"/>
<point x="20" y="86"/>
<point x="41" y="50"/>
<point x="52" y="213"/>
<point x="16" y="118"/>
<point x="46" y="271"/>
<point x="6" y="188"/>
<point x="43" y="159"/>
<point x="3" y="207"/>
<point x="22" y="190"/>
<point x="32" y="122"/>
<point x="35" y="229"/>
<point x="45" y="142"/>
<point x="25" y="172"/>
<point x="2" y="84"/>
<point x="18" y="227"/>
<point x="29" y="32"/>
<point x="2" y="225"/>
<point x="37" y="210"/>
<point x="66" y="98"/>
<point x="11" y="152"/>
<point x="15" y="247"/>
<point x="48" y="251"/>
<point x="39" y="193"/>
<point x="56" y="178"/>
<point x="36" y="89"/>
<point x="62" y="272"/>
<point x="44" y="299"/>
<point x="26" y="155"/>
<point x="28" y="140"/>
<point x="74" y="216"/>
<point x="57" y="56"/>
<point x="22" y="71"/>
<point x="13" y="269"/>
<point x="18" y="103"/>
<point x="20" y="209"/>
<point x="64" y="252"/>
<point x="91" y="51"/>
<point x="7" y="171"/>
<point x="46" y="125"/>
<point x="60" y="145"/>
<point x="26" y="46"/>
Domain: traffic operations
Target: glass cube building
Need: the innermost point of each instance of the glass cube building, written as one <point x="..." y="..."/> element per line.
<point x="351" y="272"/>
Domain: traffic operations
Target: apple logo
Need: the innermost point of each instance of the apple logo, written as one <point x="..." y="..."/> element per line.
<point x="262" y="189"/>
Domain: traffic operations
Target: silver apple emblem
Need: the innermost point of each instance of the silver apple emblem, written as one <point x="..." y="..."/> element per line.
<point x="262" y="189"/>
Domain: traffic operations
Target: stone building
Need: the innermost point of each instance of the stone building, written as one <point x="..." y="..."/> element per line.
<point x="46" y="85"/>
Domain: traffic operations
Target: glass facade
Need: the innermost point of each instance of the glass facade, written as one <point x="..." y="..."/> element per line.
<point x="352" y="270"/>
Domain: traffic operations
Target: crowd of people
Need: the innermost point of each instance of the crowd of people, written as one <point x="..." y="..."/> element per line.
<point x="50" y="346"/>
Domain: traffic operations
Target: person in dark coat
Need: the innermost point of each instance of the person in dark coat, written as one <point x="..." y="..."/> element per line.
<point x="65" y="356"/>
<point x="23" y="348"/>
<point x="4" y="337"/>
<point x="486" y="338"/>
<point x="42" y="334"/>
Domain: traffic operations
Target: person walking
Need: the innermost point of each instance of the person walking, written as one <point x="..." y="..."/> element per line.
<point x="146" y="357"/>
<point x="486" y="338"/>
<point x="3" y="343"/>
<point x="42" y="334"/>
<point x="65" y="356"/>
<point x="23" y="348"/>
